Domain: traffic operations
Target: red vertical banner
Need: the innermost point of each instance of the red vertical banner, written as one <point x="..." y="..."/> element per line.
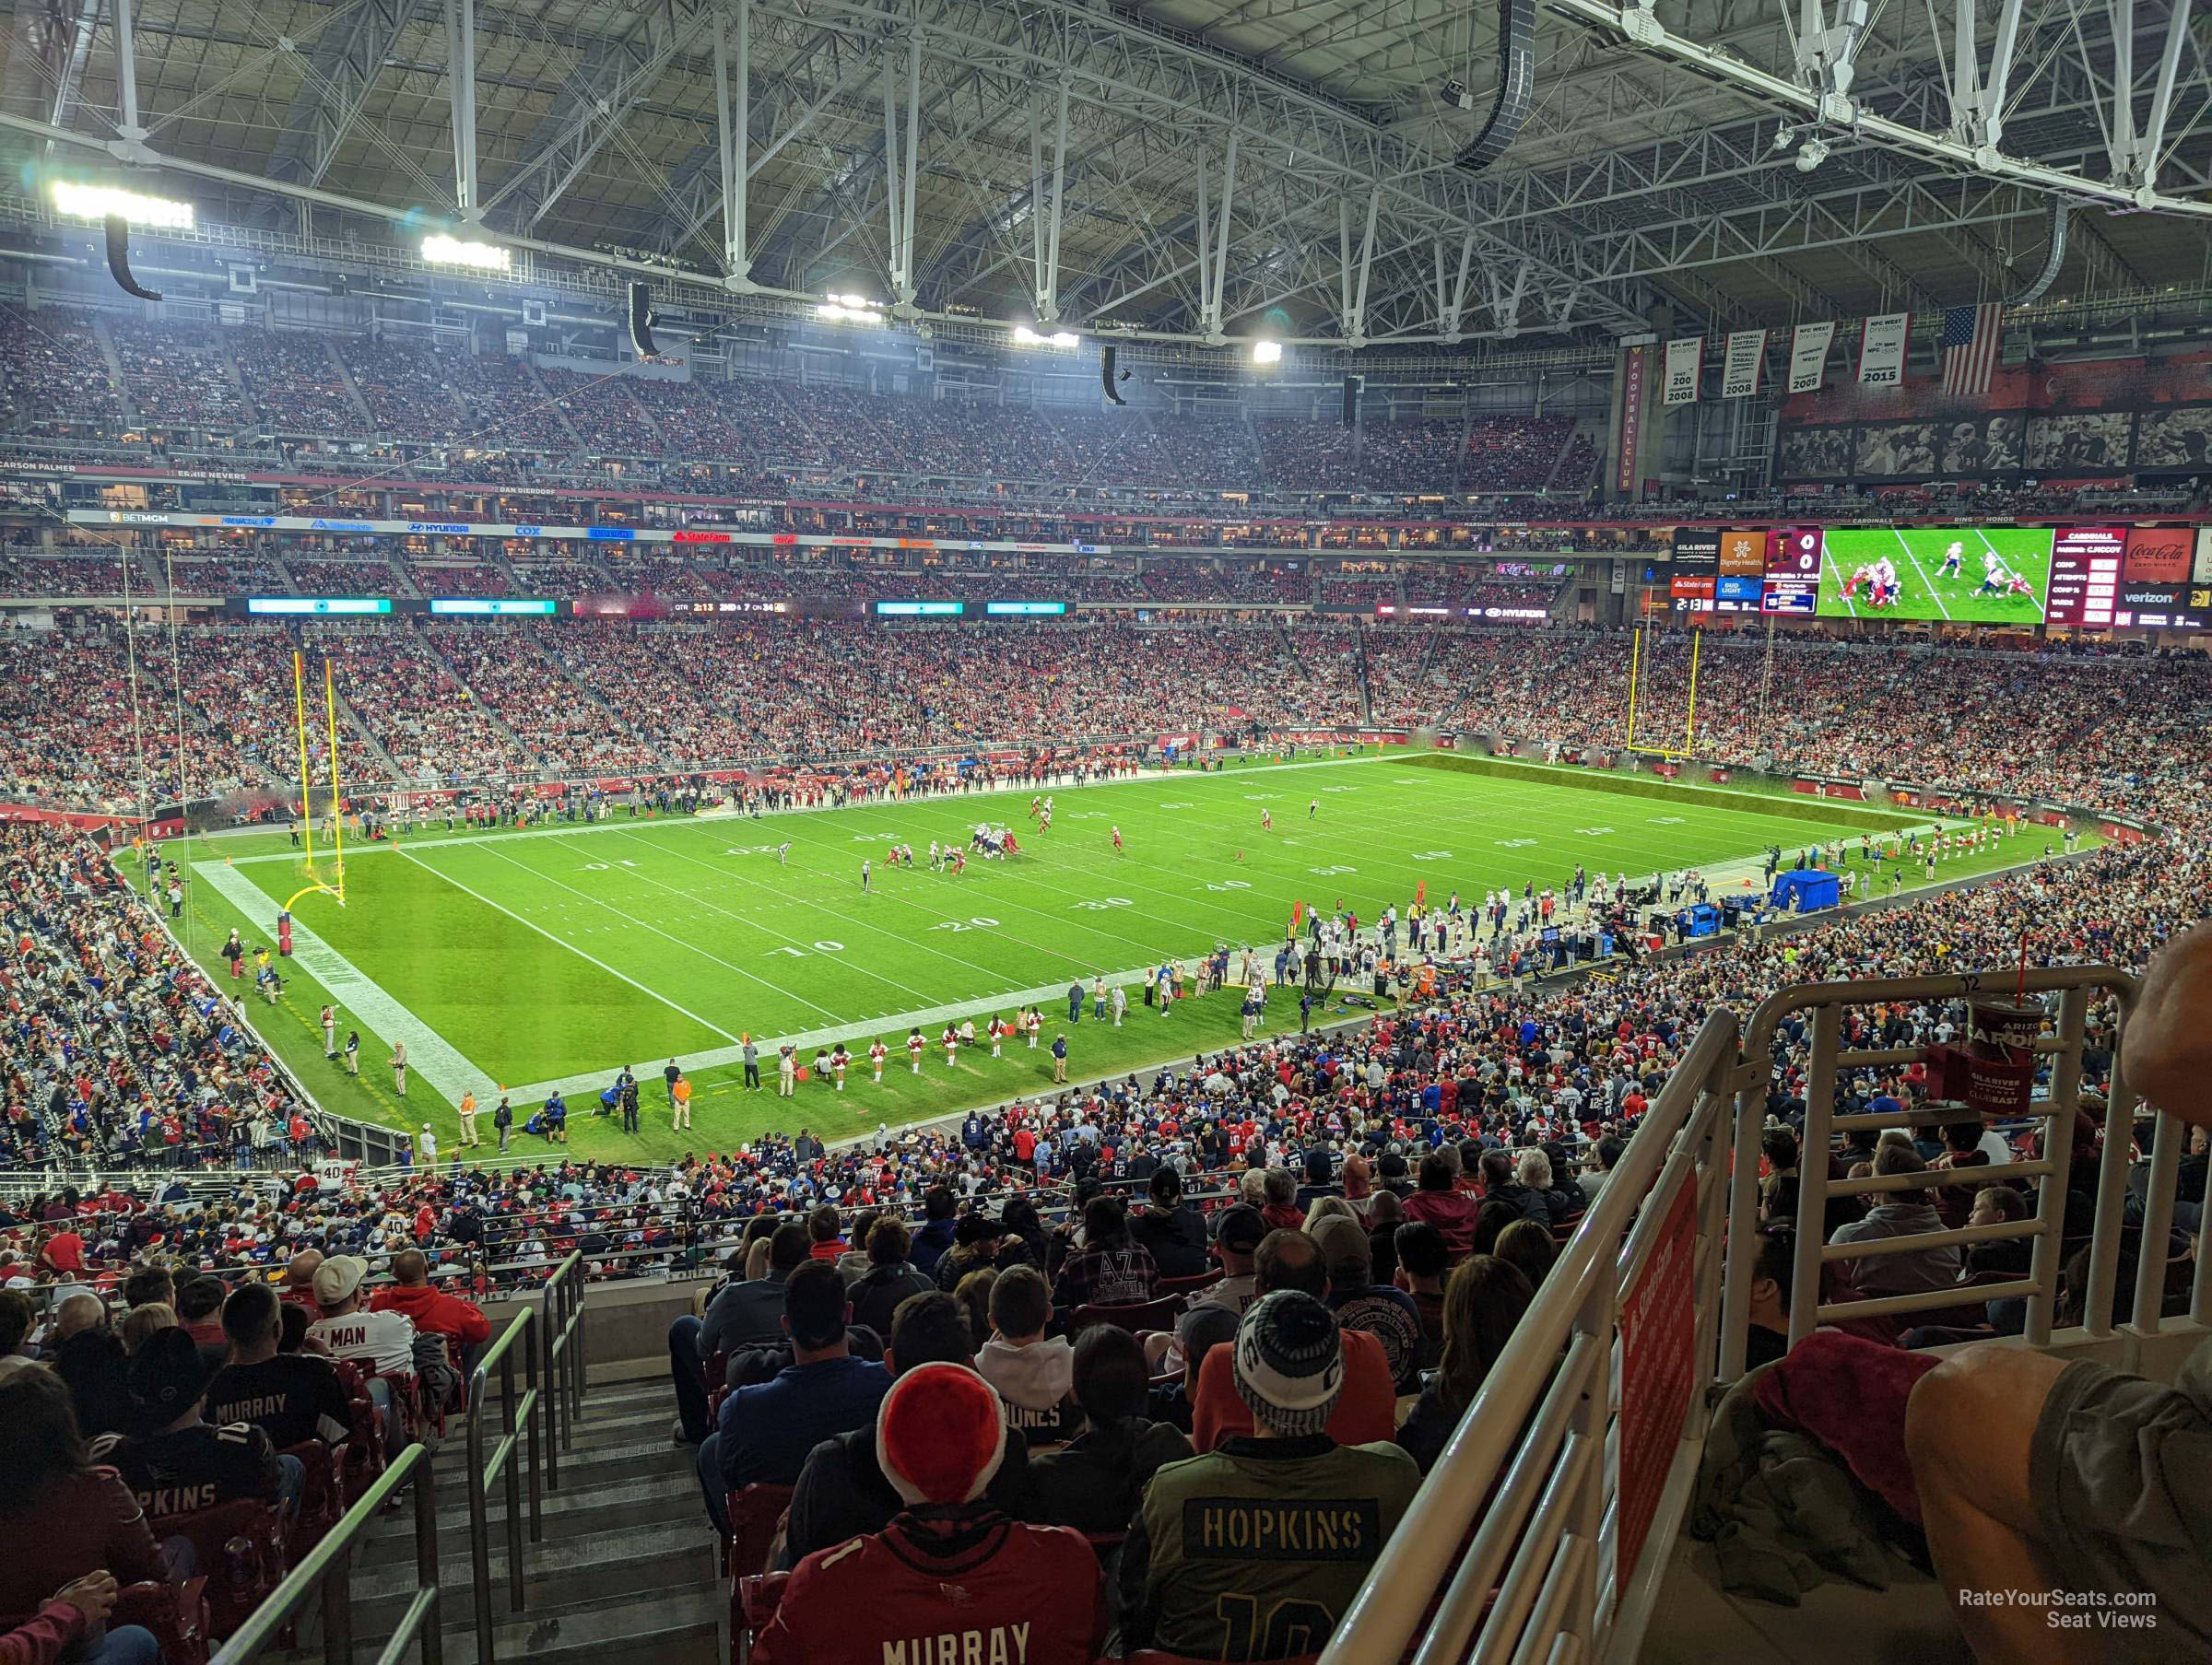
<point x="1631" y="422"/>
<point x="1658" y="1375"/>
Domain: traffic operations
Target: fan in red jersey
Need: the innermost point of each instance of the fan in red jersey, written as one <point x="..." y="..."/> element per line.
<point x="951" y="1580"/>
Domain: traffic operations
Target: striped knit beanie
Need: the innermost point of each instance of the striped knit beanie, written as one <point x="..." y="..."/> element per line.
<point x="1289" y="1363"/>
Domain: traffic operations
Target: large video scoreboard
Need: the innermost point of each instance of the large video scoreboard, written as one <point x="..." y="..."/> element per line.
<point x="2083" y="577"/>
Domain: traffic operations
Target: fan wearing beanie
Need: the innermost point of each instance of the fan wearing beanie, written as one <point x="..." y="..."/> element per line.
<point x="174" y="1462"/>
<point x="1253" y="1551"/>
<point x="952" y="1580"/>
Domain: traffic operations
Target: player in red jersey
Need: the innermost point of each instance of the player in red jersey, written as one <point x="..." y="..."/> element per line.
<point x="951" y="1580"/>
<point x="1267" y="820"/>
<point x="1117" y="837"/>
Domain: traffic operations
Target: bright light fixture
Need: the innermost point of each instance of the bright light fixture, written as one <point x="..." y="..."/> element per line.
<point x="1063" y="339"/>
<point x="850" y="308"/>
<point x="443" y="251"/>
<point x="80" y="201"/>
<point x="1266" y="352"/>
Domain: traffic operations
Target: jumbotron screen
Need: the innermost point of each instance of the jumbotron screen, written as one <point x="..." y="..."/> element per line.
<point x="1966" y="575"/>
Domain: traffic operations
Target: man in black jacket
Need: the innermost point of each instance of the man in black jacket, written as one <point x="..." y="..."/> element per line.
<point x="843" y="1492"/>
<point x="1172" y="1230"/>
<point x="890" y="1277"/>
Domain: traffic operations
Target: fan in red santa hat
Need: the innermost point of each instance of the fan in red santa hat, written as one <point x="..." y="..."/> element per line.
<point x="940" y="1434"/>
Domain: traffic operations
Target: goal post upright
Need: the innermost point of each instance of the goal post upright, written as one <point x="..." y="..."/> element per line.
<point x="1635" y="664"/>
<point x="307" y="797"/>
<point x="337" y="803"/>
<point x="1690" y="723"/>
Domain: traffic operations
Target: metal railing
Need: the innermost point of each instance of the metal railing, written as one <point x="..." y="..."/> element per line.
<point x="560" y="1335"/>
<point x="2068" y="994"/>
<point x="1534" y="1468"/>
<point x="1570" y="1473"/>
<point x="520" y="1418"/>
<point x="327" y="1569"/>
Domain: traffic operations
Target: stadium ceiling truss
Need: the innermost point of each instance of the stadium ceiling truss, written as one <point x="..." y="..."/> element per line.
<point x="1188" y="171"/>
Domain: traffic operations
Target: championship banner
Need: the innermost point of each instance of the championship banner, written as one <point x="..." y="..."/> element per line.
<point x="1631" y="422"/>
<point x="1882" y="349"/>
<point x="1808" y="355"/>
<point x="1745" y="361"/>
<point x="1685" y="360"/>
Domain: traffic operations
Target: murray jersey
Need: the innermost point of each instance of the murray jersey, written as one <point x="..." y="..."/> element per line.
<point x="941" y="1586"/>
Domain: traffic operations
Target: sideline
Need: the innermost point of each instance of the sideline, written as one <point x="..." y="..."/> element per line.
<point x="431" y="1057"/>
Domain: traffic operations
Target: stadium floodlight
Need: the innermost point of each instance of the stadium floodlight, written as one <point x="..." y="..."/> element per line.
<point x="442" y="250"/>
<point x="1266" y="352"/>
<point x="850" y="308"/>
<point x="76" y="200"/>
<point x="1065" y="340"/>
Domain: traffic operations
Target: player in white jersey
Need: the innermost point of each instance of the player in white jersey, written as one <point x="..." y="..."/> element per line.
<point x="1953" y="558"/>
<point x="1995" y="575"/>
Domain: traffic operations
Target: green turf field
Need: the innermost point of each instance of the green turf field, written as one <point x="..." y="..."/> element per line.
<point x="1926" y="590"/>
<point x="517" y="959"/>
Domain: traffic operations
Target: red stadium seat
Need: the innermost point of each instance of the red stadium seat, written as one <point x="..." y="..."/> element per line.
<point x="240" y="1547"/>
<point x="1133" y="1315"/>
<point x="755" y="1513"/>
<point x="321" y="1493"/>
<point x="754" y="1598"/>
<point x="1190" y="1285"/>
<point x="176" y="1614"/>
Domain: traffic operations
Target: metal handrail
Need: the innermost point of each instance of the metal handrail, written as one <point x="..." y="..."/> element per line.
<point x="2055" y="1113"/>
<point x="327" y="1569"/>
<point x="517" y="1414"/>
<point x="560" y="1333"/>
<point x="1554" y="1496"/>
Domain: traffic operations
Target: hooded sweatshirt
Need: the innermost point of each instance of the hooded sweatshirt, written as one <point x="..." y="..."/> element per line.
<point x="435" y="1312"/>
<point x="1036" y="1385"/>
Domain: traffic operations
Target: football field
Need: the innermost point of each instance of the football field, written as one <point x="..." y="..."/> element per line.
<point x="516" y="960"/>
<point x="1926" y="590"/>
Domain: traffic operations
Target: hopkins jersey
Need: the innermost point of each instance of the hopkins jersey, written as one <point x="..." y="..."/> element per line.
<point x="197" y="1468"/>
<point x="1253" y="1551"/>
<point x="941" y="1586"/>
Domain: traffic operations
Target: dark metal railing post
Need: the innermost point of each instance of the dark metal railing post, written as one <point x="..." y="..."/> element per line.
<point x="325" y="1571"/>
<point x="517" y="1414"/>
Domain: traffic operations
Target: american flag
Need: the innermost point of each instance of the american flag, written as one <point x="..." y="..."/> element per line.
<point x="1973" y="337"/>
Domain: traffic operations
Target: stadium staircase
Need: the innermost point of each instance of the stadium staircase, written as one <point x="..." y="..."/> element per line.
<point x="561" y="413"/>
<point x="113" y="360"/>
<point x="625" y="1574"/>
<point x="1367" y="699"/>
<point x="353" y="390"/>
<point x="352" y="718"/>
<point x="484" y="706"/>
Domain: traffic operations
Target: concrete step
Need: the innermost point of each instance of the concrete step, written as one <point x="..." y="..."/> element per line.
<point x="654" y="1628"/>
<point x="673" y="1558"/>
<point x="568" y="1516"/>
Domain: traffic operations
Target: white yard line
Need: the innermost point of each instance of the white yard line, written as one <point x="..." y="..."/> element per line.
<point x="430" y="1055"/>
<point x="1925" y="584"/>
<point x="572" y="947"/>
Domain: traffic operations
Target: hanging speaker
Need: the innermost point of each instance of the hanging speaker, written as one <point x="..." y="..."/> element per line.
<point x="1106" y="374"/>
<point x="1351" y="400"/>
<point x="119" y="259"/>
<point x="640" y="320"/>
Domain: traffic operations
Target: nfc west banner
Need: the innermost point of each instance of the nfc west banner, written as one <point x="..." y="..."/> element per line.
<point x="1740" y="369"/>
<point x="1685" y="359"/>
<point x="1808" y="355"/>
<point x="1882" y="349"/>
